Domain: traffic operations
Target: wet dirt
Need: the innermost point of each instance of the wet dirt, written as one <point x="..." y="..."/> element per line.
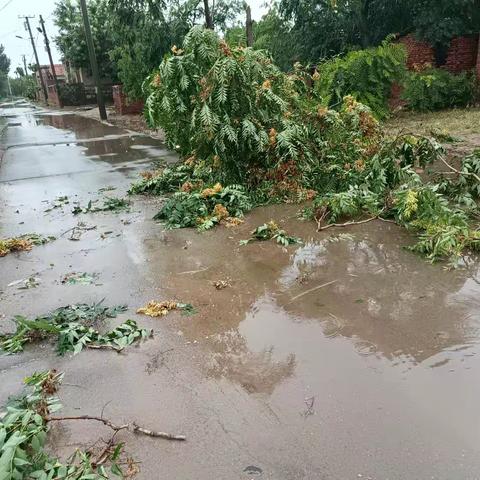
<point x="345" y="357"/>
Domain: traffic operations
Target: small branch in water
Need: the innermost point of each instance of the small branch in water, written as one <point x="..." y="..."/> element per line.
<point x="346" y="224"/>
<point x="127" y="426"/>
<point x="311" y="290"/>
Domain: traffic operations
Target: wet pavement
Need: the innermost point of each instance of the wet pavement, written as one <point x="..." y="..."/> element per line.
<point x="374" y="375"/>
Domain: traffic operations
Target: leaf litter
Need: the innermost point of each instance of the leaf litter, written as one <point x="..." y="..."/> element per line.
<point x="79" y="278"/>
<point x="161" y="309"/>
<point x="74" y="327"/>
<point x="271" y="231"/>
<point x="22" y="243"/>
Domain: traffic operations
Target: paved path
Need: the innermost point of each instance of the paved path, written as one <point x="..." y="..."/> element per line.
<point x="374" y="376"/>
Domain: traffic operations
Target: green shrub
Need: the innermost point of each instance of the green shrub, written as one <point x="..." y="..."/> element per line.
<point x="436" y="89"/>
<point x="367" y="75"/>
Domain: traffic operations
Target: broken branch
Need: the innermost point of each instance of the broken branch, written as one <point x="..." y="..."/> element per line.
<point x="454" y="170"/>
<point x="346" y="224"/>
<point x="127" y="426"/>
<point x="311" y="290"/>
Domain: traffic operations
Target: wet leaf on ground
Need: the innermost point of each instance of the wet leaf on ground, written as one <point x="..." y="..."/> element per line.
<point x="110" y="204"/>
<point x="160" y="309"/>
<point x="26" y="283"/>
<point x="22" y="243"/>
<point x="80" y="278"/>
<point x="59" y="202"/>
<point x="271" y="231"/>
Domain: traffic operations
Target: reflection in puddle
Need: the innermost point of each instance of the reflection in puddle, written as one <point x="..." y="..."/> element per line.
<point x="358" y="287"/>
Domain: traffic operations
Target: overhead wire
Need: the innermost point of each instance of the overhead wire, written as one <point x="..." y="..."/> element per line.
<point x="6" y="5"/>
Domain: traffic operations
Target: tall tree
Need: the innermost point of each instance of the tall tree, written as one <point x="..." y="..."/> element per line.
<point x="4" y="68"/>
<point x="71" y="35"/>
<point x="4" y="61"/>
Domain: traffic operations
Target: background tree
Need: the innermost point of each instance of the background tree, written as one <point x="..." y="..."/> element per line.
<point x="71" y="37"/>
<point x="4" y="69"/>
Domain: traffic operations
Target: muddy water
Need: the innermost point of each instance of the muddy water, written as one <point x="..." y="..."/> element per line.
<point x="346" y="357"/>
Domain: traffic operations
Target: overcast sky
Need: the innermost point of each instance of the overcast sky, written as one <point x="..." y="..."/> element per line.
<point x="11" y="25"/>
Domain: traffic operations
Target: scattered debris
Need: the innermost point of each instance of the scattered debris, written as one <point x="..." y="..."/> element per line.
<point x="160" y="309"/>
<point x="253" y="470"/>
<point x="78" y="230"/>
<point x="22" y="243"/>
<point x="59" y="202"/>
<point x="271" y="231"/>
<point x="309" y="402"/>
<point x="230" y="222"/>
<point x="26" y="283"/>
<point x="221" y="284"/>
<point x="108" y="188"/>
<point x="24" y="425"/>
<point x="110" y="204"/>
<point x="83" y="278"/>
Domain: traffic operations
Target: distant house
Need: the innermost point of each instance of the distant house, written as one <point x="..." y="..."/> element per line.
<point x="46" y="72"/>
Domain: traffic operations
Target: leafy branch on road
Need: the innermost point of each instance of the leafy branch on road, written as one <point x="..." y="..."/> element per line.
<point x="110" y="204"/>
<point x="22" y="243"/>
<point x="236" y="118"/>
<point x="74" y="328"/>
<point x="271" y="231"/>
<point x="25" y="423"/>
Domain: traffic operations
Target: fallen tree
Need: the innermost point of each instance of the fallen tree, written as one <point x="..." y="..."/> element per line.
<point x="235" y="118"/>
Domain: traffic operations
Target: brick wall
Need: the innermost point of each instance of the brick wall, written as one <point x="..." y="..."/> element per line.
<point x="122" y="105"/>
<point x="478" y="59"/>
<point x="419" y="53"/>
<point x="462" y="54"/>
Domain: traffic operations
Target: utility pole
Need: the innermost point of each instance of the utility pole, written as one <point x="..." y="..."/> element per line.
<point x="27" y="27"/>
<point x="25" y="65"/>
<point x="249" y="25"/>
<point x="52" y="66"/>
<point x="93" y="61"/>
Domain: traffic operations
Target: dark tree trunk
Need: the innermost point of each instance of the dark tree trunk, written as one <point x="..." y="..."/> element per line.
<point x="249" y="26"/>
<point x="208" y="16"/>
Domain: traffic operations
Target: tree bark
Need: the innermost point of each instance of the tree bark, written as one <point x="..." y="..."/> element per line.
<point x="249" y="26"/>
<point x="208" y="16"/>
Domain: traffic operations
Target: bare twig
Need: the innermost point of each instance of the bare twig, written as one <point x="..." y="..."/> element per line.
<point x="106" y="422"/>
<point x="454" y="170"/>
<point x="346" y="224"/>
<point x="133" y="427"/>
<point x="103" y="347"/>
<point x="311" y="290"/>
<point x="151" y="433"/>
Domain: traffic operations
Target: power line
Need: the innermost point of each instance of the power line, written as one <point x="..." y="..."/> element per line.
<point x="6" y="5"/>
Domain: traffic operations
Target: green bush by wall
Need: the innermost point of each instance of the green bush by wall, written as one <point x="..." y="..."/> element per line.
<point x="436" y="89"/>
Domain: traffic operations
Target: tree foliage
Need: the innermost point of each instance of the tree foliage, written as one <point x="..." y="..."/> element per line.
<point x="366" y="74"/>
<point x="322" y="28"/>
<point x="71" y="35"/>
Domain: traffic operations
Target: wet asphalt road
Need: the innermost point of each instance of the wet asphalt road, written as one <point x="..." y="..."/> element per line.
<point x="374" y="376"/>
